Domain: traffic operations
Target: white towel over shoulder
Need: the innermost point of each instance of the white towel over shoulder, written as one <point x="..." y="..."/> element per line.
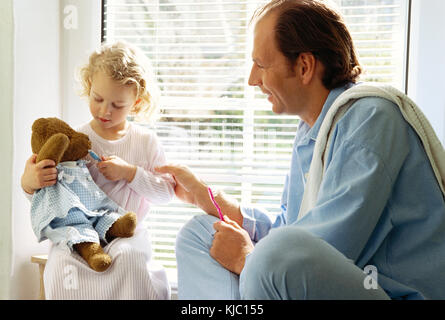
<point x="412" y="114"/>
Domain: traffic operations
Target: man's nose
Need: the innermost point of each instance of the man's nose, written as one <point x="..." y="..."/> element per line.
<point x="254" y="80"/>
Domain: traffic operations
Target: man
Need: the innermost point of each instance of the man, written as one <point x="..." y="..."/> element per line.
<point x="379" y="207"/>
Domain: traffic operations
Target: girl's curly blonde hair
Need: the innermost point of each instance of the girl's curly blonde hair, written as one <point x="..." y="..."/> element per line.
<point x="127" y="65"/>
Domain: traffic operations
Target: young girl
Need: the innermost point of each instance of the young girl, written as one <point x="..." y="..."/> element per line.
<point x="118" y="84"/>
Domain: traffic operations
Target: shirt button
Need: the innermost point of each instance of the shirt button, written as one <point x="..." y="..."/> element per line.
<point x="306" y="175"/>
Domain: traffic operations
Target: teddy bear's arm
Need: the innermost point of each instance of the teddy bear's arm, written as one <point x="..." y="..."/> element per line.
<point x="54" y="148"/>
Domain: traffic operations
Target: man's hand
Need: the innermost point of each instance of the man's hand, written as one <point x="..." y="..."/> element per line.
<point x="114" y="168"/>
<point x="38" y="175"/>
<point x="191" y="189"/>
<point x="188" y="186"/>
<point x="231" y="244"/>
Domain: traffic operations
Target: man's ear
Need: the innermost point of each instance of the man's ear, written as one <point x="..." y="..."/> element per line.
<point x="305" y="67"/>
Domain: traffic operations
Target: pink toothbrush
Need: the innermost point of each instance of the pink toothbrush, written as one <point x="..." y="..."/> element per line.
<point x="215" y="204"/>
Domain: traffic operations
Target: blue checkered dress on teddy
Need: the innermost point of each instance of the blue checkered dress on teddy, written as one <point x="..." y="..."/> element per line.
<point x="73" y="210"/>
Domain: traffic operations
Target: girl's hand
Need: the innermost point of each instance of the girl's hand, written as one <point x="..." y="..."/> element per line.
<point x="38" y="175"/>
<point x="114" y="168"/>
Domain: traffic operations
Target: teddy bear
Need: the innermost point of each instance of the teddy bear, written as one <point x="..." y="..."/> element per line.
<point x="74" y="212"/>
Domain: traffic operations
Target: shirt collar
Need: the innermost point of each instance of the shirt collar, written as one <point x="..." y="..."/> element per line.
<point x="307" y="132"/>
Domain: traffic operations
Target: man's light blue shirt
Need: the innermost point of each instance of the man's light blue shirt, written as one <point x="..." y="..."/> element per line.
<point x="379" y="203"/>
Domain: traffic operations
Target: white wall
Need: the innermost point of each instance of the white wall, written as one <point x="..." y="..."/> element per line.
<point x="46" y="54"/>
<point x="426" y="83"/>
<point x="6" y="145"/>
<point x="76" y="46"/>
<point x="36" y="94"/>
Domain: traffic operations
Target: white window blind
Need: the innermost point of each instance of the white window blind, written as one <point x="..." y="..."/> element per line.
<point x="211" y="119"/>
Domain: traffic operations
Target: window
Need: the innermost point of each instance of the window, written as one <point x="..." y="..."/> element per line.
<point x="212" y="120"/>
<point x="379" y="29"/>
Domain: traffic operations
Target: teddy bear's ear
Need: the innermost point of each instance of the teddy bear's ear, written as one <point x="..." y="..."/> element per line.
<point x="39" y="124"/>
<point x="39" y="134"/>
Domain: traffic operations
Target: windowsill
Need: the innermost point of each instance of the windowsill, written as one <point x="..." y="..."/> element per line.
<point x="174" y="292"/>
<point x="172" y="277"/>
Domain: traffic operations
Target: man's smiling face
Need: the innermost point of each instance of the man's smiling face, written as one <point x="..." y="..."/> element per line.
<point x="271" y="71"/>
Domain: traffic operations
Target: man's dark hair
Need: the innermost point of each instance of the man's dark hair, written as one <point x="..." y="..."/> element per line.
<point x="314" y="26"/>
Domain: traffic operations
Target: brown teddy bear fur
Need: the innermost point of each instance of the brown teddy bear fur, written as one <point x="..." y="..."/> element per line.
<point x="54" y="139"/>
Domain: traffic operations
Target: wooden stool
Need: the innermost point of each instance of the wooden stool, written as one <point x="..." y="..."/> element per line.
<point x="41" y="261"/>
